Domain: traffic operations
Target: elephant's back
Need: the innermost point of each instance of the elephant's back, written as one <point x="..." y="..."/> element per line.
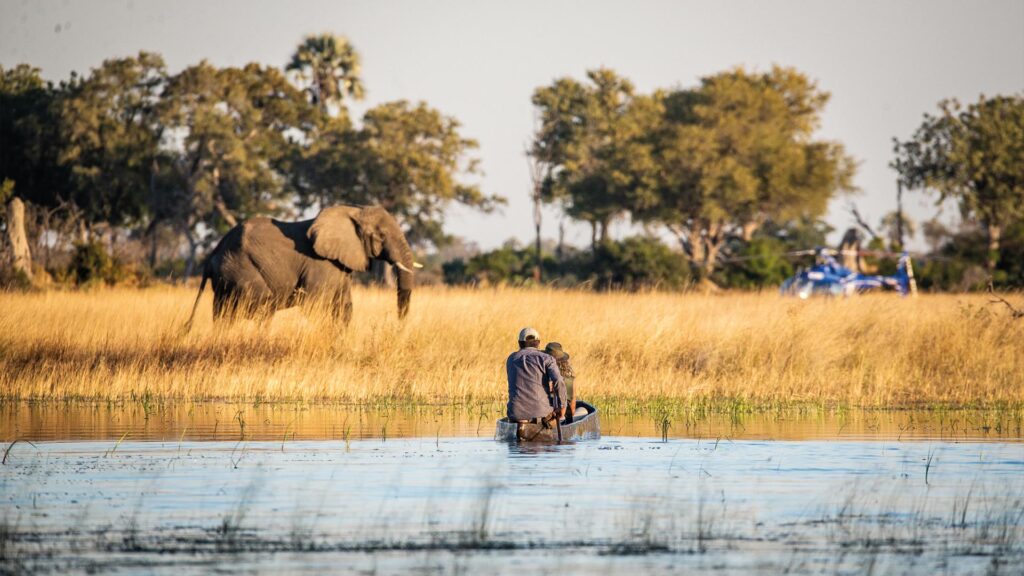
<point x="257" y="251"/>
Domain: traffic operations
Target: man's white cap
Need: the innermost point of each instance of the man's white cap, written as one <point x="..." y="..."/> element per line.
<point x="528" y="334"/>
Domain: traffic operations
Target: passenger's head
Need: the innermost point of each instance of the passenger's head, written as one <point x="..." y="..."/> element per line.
<point x="529" y="338"/>
<point x="554" y="349"/>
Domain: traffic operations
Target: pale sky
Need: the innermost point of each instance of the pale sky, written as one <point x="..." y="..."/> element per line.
<point x="885" y="63"/>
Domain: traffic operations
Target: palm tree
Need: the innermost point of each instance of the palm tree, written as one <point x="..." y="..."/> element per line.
<point x="330" y="64"/>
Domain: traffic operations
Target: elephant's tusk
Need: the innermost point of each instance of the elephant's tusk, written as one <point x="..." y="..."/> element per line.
<point x="417" y="265"/>
<point x="402" y="267"/>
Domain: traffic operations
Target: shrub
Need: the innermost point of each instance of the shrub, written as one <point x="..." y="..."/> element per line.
<point x="760" y="262"/>
<point x="14" y="280"/>
<point x="633" y="264"/>
<point x="91" y="264"/>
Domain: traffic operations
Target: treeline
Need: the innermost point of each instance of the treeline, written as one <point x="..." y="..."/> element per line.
<point x="130" y="171"/>
<point x="732" y="170"/>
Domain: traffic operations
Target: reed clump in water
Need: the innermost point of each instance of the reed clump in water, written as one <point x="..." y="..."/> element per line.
<point x="737" y="351"/>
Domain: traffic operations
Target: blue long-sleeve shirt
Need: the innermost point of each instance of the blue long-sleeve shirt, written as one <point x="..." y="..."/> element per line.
<point x="530" y="373"/>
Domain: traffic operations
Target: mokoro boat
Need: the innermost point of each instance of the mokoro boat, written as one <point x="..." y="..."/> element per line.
<point x="583" y="428"/>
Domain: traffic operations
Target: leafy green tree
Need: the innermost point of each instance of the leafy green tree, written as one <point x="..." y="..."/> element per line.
<point x="738" y="151"/>
<point x="594" y="137"/>
<point x="408" y="159"/>
<point x="29" y="135"/>
<point x="235" y="137"/>
<point x="329" y="66"/>
<point x="973" y="155"/>
<point x="111" y="135"/>
<point x="324" y="169"/>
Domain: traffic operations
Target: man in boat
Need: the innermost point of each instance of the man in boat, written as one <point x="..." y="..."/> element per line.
<point x="536" y="390"/>
<point x="569" y="376"/>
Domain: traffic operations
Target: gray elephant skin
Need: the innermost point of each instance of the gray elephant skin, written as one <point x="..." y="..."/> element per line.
<point x="263" y="265"/>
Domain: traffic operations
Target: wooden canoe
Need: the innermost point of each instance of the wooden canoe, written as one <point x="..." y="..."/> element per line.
<point x="583" y="428"/>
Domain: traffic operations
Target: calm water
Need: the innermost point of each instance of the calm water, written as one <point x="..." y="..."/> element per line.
<point x="858" y="492"/>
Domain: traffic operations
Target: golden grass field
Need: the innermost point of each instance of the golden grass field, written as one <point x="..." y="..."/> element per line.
<point x="739" y="350"/>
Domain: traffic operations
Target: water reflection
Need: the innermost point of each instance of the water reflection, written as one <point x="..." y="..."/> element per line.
<point x="286" y="422"/>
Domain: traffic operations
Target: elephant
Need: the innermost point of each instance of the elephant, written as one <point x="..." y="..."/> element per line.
<point x="262" y="265"/>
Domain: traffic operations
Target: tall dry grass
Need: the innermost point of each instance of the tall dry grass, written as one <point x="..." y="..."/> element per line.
<point x="738" y="349"/>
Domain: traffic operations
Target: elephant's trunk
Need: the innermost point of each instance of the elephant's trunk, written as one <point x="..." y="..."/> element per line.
<point x="402" y="259"/>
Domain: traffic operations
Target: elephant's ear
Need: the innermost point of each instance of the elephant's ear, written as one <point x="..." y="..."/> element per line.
<point x="335" y="236"/>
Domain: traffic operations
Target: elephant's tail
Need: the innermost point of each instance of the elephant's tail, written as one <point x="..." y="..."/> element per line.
<point x="202" y="286"/>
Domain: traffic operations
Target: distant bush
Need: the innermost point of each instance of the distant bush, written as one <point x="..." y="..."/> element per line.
<point x="92" y="265"/>
<point x="957" y="264"/>
<point x="506" y="265"/>
<point x="758" y="263"/>
<point x="14" y="280"/>
<point x="633" y="264"/>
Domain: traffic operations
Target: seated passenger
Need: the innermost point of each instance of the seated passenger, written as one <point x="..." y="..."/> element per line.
<point x="569" y="376"/>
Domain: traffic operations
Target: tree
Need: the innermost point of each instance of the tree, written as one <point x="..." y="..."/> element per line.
<point x="539" y="173"/>
<point x="738" y="151"/>
<point x="30" y="135"/>
<point x="235" y="137"/>
<point x="935" y="233"/>
<point x="895" y="226"/>
<point x="593" y="136"/>
<point x="330" y="66"/>
<point x="111" y="136"/>
<point x="408" y="159"/>
<point x="973" y="155"/>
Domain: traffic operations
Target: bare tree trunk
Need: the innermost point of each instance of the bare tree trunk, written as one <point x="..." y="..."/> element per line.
<point x="714" y="239"/>
<point x="995" y="232"/>
<point x="697" y="253"/>
<point x="711" y="258"/>
<point x="603" y="232"/>
<point x="560" y="251"/>
<point x="21" y="257"/>
<point x="152" y="232"/>
<point x="193" y="247"/>
<point x="537" y="263"/>
<point x="226" y="214"/>
<point x="899" y="212"/>
<point x="538" y="174"/>
<point x="536" y="225"/>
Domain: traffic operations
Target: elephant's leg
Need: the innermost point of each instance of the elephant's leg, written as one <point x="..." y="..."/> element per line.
<point x="346" y="303"/>
<point x="225" y="306"/>
<point x="249" y="302"/>
<point x="338" y="304"/>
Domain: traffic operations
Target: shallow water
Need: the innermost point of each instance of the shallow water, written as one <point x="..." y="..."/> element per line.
<point x="471" y="505"/>
<point x="277" y="422"/>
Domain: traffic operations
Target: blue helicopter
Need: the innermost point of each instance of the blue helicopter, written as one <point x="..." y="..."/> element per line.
<point x="828" y="278"/>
